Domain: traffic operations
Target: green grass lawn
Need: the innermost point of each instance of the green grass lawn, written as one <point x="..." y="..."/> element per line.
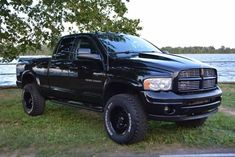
<point x="228" y="95"/>
<point x="66" y="131"/>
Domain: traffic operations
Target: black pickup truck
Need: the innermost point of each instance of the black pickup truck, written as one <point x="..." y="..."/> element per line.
<point x="127" y="78"/>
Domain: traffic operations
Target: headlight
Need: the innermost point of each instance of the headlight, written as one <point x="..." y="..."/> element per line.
<point x="157" y="84"/>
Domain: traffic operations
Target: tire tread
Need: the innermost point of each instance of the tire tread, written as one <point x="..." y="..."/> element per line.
<point x="138" y="115"/>
<point x="38" y="100"/>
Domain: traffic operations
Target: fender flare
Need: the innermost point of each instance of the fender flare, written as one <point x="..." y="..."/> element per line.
<point x="27" y="72"/>
<point x="133" y="84"/>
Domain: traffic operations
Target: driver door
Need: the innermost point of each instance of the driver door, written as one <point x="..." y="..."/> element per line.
<point x="86" y="72"/>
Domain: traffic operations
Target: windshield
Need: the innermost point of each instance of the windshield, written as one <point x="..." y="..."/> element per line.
<point x="121" y="43"/>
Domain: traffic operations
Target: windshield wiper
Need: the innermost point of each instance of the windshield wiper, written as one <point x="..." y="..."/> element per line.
<point x="127" y="52"/>
<point x="148" y="51"/>
<point x="132" y="52"/>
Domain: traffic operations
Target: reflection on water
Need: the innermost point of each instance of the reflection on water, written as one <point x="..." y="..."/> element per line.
<point x="7" y="75"/>
<point x="224" y="63"/>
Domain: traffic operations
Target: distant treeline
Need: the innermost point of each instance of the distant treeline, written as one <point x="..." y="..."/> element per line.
<point x="198" y="49"/>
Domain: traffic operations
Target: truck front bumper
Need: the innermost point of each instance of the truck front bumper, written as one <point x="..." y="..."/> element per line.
<point x="169" y="106"/>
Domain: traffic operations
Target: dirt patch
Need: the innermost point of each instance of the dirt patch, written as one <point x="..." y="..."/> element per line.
<point x="166" y="149"/>
<point x="2" y="95"/>
<point x="123" y="152"/>
<point x="7" y="87"/>
<point x="29" y="152"/>
<point x="228" y="111"/>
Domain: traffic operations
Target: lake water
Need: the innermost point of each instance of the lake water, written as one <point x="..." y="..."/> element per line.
<point x="7" y="75"/>
<point x="224" y="63"/>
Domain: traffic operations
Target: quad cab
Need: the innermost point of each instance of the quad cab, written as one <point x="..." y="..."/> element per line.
<point x="127" y="78"/>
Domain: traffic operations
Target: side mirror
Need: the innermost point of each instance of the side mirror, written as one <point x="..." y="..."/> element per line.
<point x="86" y="53"/>
<point x="165" y="52"/>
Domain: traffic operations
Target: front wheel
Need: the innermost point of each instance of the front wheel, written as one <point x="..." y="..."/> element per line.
<point x="33" y="102"/>
<point x="192" y="123"/>
<point x="125" y="119"/>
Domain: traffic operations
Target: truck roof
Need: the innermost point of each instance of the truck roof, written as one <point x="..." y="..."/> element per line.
<point x="92" y="33"/>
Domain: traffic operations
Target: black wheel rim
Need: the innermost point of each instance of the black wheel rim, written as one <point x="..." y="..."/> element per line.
<point x="119" y="120"/>
<point x="28" y="101"/>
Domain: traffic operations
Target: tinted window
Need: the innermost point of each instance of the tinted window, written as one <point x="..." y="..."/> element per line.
<point x="86" y="43"/>
<point x="116" y="43"/>
<point x="66" y="48"/>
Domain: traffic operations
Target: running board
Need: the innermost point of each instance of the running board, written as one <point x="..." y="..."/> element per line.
<point x="80" y="105"/>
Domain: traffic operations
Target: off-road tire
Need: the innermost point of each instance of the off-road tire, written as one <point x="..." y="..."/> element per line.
<point x="192" y="123"/>
<point x="33" y="102"/>
<point x="137" y="121"/>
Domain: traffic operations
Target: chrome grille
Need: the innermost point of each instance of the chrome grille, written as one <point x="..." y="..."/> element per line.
<point x="188" y="85"/>
<point x="209" y="73"/>
<point x="196" y="79"/>
<point x="190" y="73"/>
<point x="209" y="83"/>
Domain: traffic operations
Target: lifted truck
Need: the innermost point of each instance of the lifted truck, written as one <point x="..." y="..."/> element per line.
<point x="127" y="78"/>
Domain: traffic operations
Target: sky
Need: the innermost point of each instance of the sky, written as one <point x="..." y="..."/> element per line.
<point x="186" y="22"/>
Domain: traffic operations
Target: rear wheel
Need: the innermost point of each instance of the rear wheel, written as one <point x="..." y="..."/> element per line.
<point x="33" y="102"/>
<point x="125" y="120"/>
<point x="192" y="123"/>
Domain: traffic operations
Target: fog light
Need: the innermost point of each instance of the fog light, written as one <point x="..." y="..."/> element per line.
<point x="169" y="110"/>
<point x="166" y="109"/>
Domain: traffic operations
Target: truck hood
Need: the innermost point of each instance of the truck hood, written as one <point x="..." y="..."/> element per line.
<point x="159" y="61"/>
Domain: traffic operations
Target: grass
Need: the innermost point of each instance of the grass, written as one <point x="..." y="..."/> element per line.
<point x="228" y="95"/>
<point x="65" y="131"/>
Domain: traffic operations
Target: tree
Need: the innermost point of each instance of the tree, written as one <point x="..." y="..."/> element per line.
<point x="26" y="25"/>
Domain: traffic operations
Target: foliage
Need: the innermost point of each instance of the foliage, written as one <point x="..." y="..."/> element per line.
<point x="27" y="24"/>
<point x="198" y="49"/>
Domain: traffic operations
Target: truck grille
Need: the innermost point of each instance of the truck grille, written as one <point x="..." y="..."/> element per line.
<point x="209" y="83"/>
<point x="197" y="79"/>
<point x="189" y="73"/>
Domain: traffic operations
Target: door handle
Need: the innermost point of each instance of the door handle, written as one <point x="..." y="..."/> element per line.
<point x="73" y="68"/>
<point x="84" y="68"/>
